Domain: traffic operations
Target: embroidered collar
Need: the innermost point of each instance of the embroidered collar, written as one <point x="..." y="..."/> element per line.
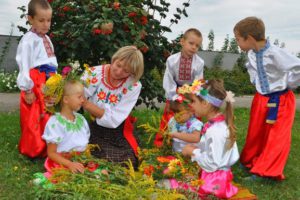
<point x="35" y="31"/>
<point x="218" y="118"/>
<point x="73" y="126"/>
<point x="267" y="45"/>
<point x="108" y="85"/>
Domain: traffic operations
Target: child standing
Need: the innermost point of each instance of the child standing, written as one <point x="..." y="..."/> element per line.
<point x="184" y="127"/>
<point x="273" y="71"/>
<point x="217" y="150"/>
<point x="181" y="68"/>
<point x="36" y="61"/>
<point x="67" y="130"/>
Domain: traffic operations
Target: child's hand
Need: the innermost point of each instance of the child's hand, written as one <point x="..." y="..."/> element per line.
<point x="188" y="150"/>
<point x="49" y="101"/>
<point x="29" y="97"/>
<point x="76" y="167"/>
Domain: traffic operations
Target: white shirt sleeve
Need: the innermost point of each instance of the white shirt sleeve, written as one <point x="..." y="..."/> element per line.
<point x="212" y="154"/>
<point x="115" y="115"/>
<point x="24" y="60"/>
<point x="169" y="83"/>
<point x="53" y="132"/>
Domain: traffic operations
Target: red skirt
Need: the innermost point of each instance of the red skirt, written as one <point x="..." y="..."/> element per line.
<point x="267" y="145"/>
<point x="167" y="115"/>
<point x="33" y="119"/>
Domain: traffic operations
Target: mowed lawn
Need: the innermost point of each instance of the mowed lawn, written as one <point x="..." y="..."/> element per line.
<point x="16" y="170"/>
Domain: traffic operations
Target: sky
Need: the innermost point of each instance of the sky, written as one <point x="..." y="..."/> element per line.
<point x="281" y="18"/>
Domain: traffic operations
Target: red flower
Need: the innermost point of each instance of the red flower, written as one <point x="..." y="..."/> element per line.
<point x="66" y="8"/>
<point x="149" y="170"/>
<point x="51" y="35"/>
<point x="132" y="14"/>
<point x="124" y="90"/>
<point x="113" y="98"/>
<point x="50" y="1"/>
<point x="92" y="166"/>
<point x="144" y="49"/>
<point x="126" y="28"/>
<point x="101" y="95"/>
<point x="144" y="20"/>
<point x="97" y="31"/>
<point x="116" y="5"/>
<point x="94" y="80"/>
<point x="66" y="70"/>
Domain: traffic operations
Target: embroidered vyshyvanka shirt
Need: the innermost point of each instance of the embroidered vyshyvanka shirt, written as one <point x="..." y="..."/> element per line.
<point x="191" y="125"/>
<point x="212" y="153"/>
<point x="117" y="102"/>
<point x="179" y="71"/>
<point x="273" y="69"/>
<point x="68" y="135"/>
<point x="33" y="50"/>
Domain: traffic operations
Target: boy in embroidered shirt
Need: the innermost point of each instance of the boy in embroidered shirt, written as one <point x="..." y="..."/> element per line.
<point x="184" y="127"/>
<point x="36" y="61"/>
<point x="274" y="72"/>
<point x="181" y="68"/>
<point x="67" y="131"/>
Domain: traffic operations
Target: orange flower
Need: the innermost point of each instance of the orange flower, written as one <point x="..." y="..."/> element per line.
<point x="165" y="159"/>
<point x="113" y="98"/>
<point x="101" y="95"/>
<point x="94" y="80"/>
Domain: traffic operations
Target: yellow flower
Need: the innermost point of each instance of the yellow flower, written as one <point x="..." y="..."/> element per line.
<point x="15" y="168"/>
<point x="54" y="80"/>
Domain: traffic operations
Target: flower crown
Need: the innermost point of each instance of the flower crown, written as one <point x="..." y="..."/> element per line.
<point x="53" y="87"/>
<point x="197" y="89"/>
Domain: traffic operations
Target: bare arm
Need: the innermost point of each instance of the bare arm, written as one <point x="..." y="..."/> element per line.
<point x="187" y="137"/>
<point x="93" y="109"/>
<point x="53" y="155"/>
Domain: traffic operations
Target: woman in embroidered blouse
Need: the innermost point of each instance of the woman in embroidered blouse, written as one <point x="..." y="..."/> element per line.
<point x="217" y="150"/>
<point x="112" y="91"/>
<point x="67" y="131"/>
<point x="36" y="61"/>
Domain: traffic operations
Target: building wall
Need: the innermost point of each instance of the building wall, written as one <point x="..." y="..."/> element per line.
<point x="9" y="64"/>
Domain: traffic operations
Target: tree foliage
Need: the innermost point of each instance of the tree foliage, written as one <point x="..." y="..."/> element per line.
<point x="211" y="38"/>
<point x="92" y="30"/>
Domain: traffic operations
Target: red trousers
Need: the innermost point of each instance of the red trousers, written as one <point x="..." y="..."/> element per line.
<point x="33" y="119"/>
<point x="267" y="145"/>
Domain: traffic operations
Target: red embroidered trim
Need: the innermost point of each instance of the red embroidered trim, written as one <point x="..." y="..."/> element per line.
<point x="107" y="84"/>
<point x="46" y="43"/>
<point x="185" y="68"/>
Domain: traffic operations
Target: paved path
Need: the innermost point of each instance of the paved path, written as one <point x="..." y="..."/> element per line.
<point x="10" y="102"/>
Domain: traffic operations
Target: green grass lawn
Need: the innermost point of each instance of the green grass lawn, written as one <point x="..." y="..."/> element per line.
<point x="16" y="171"/>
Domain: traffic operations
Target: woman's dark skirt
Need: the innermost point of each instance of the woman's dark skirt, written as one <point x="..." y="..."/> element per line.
<point x="113" y="145"/>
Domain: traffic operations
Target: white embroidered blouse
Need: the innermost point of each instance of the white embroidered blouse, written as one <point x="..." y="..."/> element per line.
<point x="212" y="154"/>
<point x="68" y="135"/>
<point x="273" y="69"/>
<point x="31" y="53"/>
<point x="117" y="102"/>
<point x="171" y="78"/>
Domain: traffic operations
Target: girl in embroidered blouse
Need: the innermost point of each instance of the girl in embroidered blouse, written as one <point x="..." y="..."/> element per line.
<point x="67" y="131"/>
<point x="112" y="91"/>
<point x="184" y="127"/>
<point x="217" y="150"/>
<point x="36" y="61"/>
<point x="181" y="68"/>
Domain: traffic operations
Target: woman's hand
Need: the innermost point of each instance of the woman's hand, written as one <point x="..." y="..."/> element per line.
<point x="188" y="150"/>
<point x="75" y="167"/>
<point x="174" y="135"/>
<point x="29" y="97"/>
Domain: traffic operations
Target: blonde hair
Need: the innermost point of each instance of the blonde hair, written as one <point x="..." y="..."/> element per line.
<point x="216" y="89"/>
<point x="133" y="58"/>
<point x="32" y="6"/>
<point x="71" y="87"/>
<point x="192" y="31"/>
<point x="251" y="26"/>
